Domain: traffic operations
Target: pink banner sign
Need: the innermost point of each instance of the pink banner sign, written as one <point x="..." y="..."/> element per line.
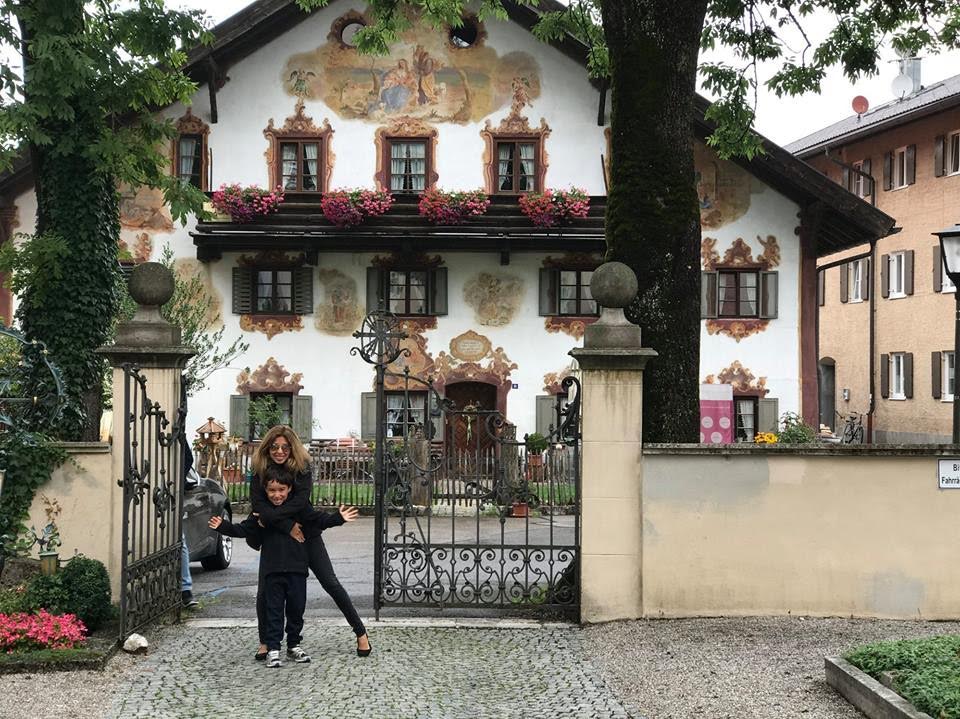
<point x="716" y="414"/>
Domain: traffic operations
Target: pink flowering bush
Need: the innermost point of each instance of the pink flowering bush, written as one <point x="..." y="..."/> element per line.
<point x="42" y="630"/>
<point x="243" y="204"/>
<point x="555" y="207"/>
<point x="452" y="208"/>
<point x="347" y="208"/>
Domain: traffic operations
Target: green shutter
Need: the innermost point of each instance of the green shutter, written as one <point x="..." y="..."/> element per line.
<point x="549" y="292"/>
<point x="240" y="416"/>
<point x="242" y="291"/>
<point x="302" y="420"/>
<point x="769" y="417"/>
<point x="546" y="413"/>
<point x="768" y="295"/>
<point x="374" y="289"/>
<point x="368" y="415"/>
<point x="438" y="291"/>
<point x="303" y="290"/>
<point x="708" y="295"/>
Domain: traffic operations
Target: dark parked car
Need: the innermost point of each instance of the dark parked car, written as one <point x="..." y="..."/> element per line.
<point x="202" y="499"/>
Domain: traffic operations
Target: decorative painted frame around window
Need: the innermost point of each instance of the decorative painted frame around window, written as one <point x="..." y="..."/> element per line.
<point x="189" y="147"/>
<point x="409" y="133"/>
<point x="514" y="129"/>
<point x="299" y="130"/>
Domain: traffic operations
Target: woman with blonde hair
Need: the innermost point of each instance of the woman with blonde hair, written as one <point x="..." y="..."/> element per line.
<point x="281" y="446"/>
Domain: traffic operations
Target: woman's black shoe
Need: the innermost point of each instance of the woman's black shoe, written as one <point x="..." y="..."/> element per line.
<point x="260" y="656"/>
<point x="364" y="652"/>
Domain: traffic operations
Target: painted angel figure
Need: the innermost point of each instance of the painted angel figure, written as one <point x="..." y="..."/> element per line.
<point x="299" y="80"/>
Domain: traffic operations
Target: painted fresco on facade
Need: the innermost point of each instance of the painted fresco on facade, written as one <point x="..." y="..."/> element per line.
<point x="741" y="378"/>
<point x="552" y="381"/>
<point x="188" y="268"/>
<point x="424" y="76"/>
<point x="140" y="252"/>
<point x="723" y="188"/>
<point x="341" y="311"/>
<point x="271" y="376"/>
<point x="739" y="255"/>
<point x="495" y="298"/>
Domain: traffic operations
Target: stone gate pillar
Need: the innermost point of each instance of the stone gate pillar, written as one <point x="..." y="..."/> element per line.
<point x="153" y="345"/>
<point x="611" y="362"/>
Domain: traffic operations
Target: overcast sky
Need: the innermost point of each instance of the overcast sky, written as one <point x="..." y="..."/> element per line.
<point x="781" y="120"/>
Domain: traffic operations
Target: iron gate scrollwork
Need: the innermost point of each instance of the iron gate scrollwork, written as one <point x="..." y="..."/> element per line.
<point x="476" y="517"/>
<point x="152" y="506"/>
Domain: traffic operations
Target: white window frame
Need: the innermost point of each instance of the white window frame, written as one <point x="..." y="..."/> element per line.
<point x="859" y="185"/>
<point x="899" y="168"/>
<point x="855" y="270"/>
<point x="946" y="284"/>
<point x="897" y="376"/>
<point x="947" y="374"/>
<point x="952" y="160"/>
<point x="896" y="275"/>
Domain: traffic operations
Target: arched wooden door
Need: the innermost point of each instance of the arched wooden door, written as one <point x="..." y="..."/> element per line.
<point x="467" y="428"/>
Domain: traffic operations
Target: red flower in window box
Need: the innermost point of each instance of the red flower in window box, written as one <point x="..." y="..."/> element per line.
<point x="555" y="207"/>
<point x="243" y="204"/>
<point x="347" y="208"/>
<point x="452" y="208"/>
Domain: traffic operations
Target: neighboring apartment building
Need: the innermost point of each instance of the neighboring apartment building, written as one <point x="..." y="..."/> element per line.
<point x="905" y="154"/>
<point x="492" y="307"/>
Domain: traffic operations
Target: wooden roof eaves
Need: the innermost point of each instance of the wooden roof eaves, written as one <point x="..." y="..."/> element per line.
<point x="850" y="216"/>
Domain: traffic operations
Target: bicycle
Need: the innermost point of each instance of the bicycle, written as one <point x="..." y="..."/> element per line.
<point x="852" y="428"/>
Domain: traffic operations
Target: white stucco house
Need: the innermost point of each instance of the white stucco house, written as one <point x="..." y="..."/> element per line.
<point x="491" y="306"/>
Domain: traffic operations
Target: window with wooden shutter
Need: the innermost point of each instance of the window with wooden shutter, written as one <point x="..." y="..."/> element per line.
<point x="884" y="276"/>
<point x="549" y="292"/>
<point x="936" y="374"/>
<point x="768" y="295"/>
<point x="768" y="414"/>
<point x="239" y="416"/>
<point x="303" y="291"/>
<point x="885" y="376"/>
<point x="888" y="171"/>
<point x="408" y="291"/>
<point x="242" y="291"/>
<point x="910" y="176"/>
<point x="708" y="295"/>
<point x="908" y="375"/>
<point x="368" y="415"/>
<point x="844" y="282"/>
<point x="546" y="413"/>
<point x="939" y="156"/>
<point x="302" y="419"/>
<point x="190" y="155"/>
<point x="937" y="269"/>
<point x="438" y="291"/>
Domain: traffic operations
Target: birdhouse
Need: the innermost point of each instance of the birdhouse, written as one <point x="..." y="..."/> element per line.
<point x="211" y="433"/>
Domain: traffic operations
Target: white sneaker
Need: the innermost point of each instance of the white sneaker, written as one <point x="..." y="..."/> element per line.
<point x="298" y="655"/>
<point x="273" y="659"/>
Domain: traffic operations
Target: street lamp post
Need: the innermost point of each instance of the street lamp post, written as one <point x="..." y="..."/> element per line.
<point x="950" y="253"/>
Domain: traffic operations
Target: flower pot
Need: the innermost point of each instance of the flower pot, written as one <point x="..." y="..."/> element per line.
<point x="49" y="563"/>
<point x="231" y="475"/>
<point x="520" y="509"/>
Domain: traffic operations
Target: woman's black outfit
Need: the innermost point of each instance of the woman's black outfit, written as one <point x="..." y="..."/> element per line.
<point x="282" y="518"/>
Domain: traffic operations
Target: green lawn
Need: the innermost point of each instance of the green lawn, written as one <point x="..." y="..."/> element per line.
<point x="926" y="671"/>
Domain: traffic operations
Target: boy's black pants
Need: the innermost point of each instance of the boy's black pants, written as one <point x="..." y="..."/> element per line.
<point x="284" y="592"/>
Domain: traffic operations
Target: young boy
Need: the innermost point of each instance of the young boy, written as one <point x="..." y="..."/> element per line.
<point x="284" y="566"/>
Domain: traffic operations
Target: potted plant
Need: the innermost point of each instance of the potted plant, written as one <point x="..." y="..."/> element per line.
<point x="555" y="207"/>
<point x="452" y="208"/>
<point x="244" y="204"/>
<point x="536" y="444"/>
<point x="347" y="208"/>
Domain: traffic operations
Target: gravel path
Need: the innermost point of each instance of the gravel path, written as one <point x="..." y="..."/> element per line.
<point x="741" y="668"/>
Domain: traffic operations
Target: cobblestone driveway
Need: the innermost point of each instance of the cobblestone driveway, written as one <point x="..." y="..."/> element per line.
<point x="415" y="672"/>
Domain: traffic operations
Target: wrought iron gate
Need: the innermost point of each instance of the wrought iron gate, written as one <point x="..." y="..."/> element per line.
<point x="488" y="521"/>
<point x="152" y="506"/>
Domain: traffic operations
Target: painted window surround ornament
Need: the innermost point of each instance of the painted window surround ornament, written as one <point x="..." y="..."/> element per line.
<point x="245" y="204"/>
<point x="349" y="207"/>
<point x="452" y="208"/>
<point x="551" y="208"/>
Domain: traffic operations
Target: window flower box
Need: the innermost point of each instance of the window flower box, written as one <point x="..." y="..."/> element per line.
<point x="452" y="208"/>
<point x="244" y="204"/>
<point x="555" y="207"/>
<point x="348" y="208"/>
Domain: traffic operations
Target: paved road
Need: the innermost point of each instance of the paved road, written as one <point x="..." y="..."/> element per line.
<point x="415" y="672"/>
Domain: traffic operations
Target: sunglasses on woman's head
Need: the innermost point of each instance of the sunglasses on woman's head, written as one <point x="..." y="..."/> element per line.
<point x="279" y="447"/>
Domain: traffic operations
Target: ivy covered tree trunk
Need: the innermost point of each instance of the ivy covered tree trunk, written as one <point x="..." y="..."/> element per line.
<point x="653" y="220"/>
<point x="77" y="202"/>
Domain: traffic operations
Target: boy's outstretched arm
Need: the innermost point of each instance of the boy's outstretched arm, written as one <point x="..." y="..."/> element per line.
<point x="326" y="520"/>
<point x="246" y="528"/>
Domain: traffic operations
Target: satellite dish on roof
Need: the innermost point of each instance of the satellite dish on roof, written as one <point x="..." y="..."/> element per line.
<point x="860" y="104"/>
<point x="901" y="86"/>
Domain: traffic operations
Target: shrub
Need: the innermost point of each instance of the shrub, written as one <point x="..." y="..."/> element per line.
<point x="82" y="588"/>
<point x="86" y="586"/>
<point x="11" y="600"/>
<point x="795" y="431"/>
<point x="42" y="630"/>
<point x="536" y="443"/>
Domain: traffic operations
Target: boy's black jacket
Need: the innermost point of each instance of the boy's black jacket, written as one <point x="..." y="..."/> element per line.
<point x="297" y="508"/>
<point x="279" y="552"/>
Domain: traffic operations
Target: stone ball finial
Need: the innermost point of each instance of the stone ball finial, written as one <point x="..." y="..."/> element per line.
<point x="613" y="284"/>
<point x="151" y="284"/>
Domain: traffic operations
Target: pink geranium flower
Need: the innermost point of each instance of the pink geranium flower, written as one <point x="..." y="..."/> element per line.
<point x="555" y="207"/>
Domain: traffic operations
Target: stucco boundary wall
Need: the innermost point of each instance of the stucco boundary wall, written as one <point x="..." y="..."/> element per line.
<point x="824" y="531"/>
<point x="90" y="502"/>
